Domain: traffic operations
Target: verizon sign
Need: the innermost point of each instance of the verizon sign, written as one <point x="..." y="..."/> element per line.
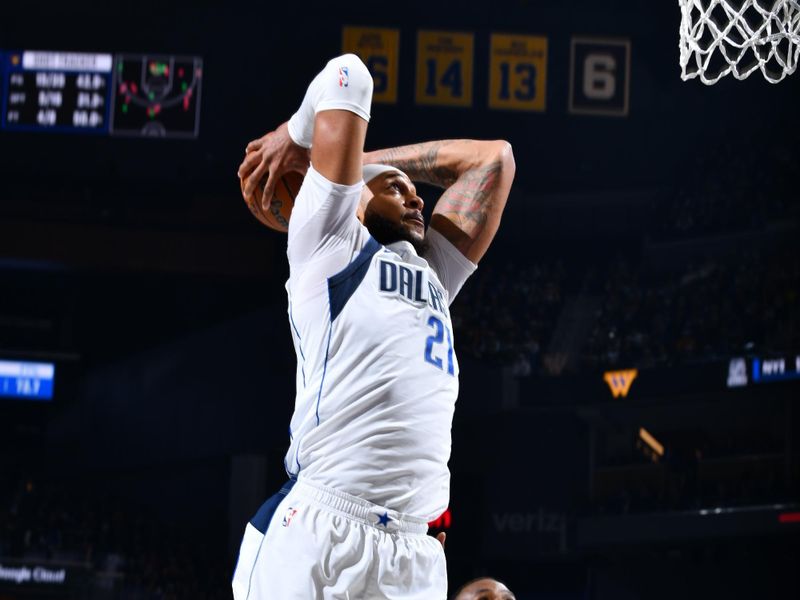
<point x="540" y="530"/>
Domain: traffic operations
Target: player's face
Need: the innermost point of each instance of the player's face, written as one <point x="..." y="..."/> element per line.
<point x="485" y="589"/>
<point x="394" y="212"/>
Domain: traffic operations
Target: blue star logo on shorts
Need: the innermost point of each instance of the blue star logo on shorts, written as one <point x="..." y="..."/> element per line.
<point x="384" y="519"/>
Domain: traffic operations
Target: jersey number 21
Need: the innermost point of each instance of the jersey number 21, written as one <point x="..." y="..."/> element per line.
<point x="440" y="329"/>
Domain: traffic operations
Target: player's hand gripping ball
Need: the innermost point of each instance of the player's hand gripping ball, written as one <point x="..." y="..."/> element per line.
<point x="273" y="153"/>
<point x="280" y="208"/>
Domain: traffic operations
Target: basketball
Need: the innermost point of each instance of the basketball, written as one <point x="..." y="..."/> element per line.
<point x="280" y="208"/>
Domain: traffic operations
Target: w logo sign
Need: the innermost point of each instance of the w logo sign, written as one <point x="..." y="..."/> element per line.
<point x="619" y="382"/>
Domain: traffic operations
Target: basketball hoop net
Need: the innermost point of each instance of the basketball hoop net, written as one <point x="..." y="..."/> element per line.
<point x="719" y="37"/>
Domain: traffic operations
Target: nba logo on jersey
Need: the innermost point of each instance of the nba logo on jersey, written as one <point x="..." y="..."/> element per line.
<point x="287" y="518"/>
<point x="344" y="76"/>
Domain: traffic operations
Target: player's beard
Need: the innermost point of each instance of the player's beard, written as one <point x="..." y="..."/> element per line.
<point x="388" y="232"/>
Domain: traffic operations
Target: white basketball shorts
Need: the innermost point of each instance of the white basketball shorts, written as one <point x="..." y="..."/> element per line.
<point x="312" y="543"/>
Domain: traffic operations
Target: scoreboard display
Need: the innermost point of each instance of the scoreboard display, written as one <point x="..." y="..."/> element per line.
<point x="24" y="380"/>
<point x="57" y="91"/>
<point x="130" y="95"/>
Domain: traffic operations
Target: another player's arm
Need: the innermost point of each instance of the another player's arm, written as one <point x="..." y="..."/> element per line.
<point x="477" y="177"/>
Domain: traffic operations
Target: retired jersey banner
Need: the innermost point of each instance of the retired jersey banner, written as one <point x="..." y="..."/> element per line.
<point x="517" y="72"/>
<point x="379" y="48"/>
<point x="444" y="68"/>
<point x="600" y="76"/>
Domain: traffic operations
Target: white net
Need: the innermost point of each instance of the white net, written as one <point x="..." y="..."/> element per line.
<point x="719" y="37"/>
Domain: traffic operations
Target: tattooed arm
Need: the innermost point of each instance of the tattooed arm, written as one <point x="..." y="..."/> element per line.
<point x="477" y="178"/>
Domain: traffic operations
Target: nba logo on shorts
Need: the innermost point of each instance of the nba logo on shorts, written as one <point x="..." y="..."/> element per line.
<point x="344" y="76"/>
<point x="287" y="518"/>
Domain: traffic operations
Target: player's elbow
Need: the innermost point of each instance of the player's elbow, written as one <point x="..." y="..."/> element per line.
<point x="504" y="155"/>
<point x="350" y="71"/>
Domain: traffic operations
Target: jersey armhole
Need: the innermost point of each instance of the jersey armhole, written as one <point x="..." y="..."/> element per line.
<point x="451" y="267"/>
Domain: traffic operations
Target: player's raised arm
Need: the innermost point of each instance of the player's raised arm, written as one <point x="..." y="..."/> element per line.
<point x="331" y="122"/>
<point x="477" y="177"/>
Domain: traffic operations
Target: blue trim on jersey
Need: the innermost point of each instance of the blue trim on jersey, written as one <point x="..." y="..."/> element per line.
<point x="342" y="285"/>
<point x="286" y="466"/>
<point x="340" y="288"/>
<point x="324" y="370"/>
<point x="299" y="344"/>
<point x="264" y="515"/>
<point x="296" y="452"/>
<point x="253" y="570"/>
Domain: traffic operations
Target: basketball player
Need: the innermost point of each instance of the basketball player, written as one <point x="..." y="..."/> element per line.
<point x="484" y="588"/>
<point x="377" y="378"/>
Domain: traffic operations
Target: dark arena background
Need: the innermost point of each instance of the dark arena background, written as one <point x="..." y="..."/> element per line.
<point x="627" y="426"/>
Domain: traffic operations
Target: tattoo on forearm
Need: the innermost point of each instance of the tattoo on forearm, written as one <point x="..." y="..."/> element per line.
<point x="469" y="196"/>
<point x="468" y="200"/>
<point x="420" y="162"/>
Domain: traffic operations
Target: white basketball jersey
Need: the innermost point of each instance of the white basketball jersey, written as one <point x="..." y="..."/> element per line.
<point x="377" y="375"/>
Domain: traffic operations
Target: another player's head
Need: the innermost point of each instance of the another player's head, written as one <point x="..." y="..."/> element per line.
<point x="390" y="208"/>
<point x="484" y="588"/>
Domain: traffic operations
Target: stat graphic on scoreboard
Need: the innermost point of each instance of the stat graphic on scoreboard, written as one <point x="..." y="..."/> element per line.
<point x="156" y="96"/>
<point x="56" y="91"/>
